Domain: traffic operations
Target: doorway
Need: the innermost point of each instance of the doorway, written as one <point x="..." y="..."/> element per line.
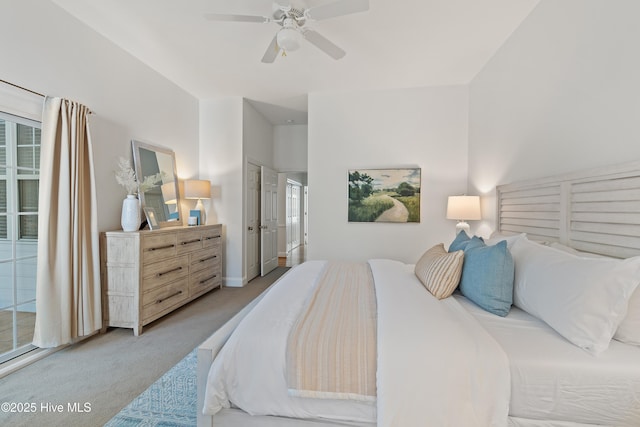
<point x="261" y="220"/>
<point x="293" y="236"/>
<point x="294" y="191"/>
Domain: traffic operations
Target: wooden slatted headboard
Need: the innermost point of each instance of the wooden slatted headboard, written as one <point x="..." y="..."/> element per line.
<point x="596" y="210"/>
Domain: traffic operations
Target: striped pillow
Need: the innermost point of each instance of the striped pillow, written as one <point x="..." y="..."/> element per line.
<point x="439" y="270"/>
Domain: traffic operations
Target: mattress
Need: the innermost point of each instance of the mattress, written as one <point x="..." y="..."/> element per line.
<point x="553" y="379"/>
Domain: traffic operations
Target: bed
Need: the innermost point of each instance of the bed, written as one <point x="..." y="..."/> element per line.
<point x="566" y="352"/>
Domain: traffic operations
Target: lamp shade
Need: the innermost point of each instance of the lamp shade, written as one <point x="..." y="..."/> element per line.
<point x="463" y="208"/>
<point x="197" y="189"/>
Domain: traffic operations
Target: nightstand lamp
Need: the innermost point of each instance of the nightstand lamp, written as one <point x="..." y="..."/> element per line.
<point x="463" y="208"/>
<point x="198" y="189"/>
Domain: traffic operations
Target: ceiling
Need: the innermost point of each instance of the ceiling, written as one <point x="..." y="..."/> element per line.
<point x="395" y="44"/>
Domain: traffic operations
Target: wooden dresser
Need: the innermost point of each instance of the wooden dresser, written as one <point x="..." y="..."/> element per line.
<point x="147" y="274"/>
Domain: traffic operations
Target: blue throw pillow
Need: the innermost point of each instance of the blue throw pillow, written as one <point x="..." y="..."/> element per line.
<point x="487" y="276"/>
<point x="461" y="241"/>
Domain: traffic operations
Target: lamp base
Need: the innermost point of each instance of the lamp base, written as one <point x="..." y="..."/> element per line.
<point x="203" y="213"/>
<point x="463" y="226"/>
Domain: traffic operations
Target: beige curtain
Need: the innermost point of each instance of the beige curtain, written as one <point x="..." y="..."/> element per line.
<point x="68" y="301"/>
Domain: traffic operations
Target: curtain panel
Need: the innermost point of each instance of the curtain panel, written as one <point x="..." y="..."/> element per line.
<point x="68" y="297"/>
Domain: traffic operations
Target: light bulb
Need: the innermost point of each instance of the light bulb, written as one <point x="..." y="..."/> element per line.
<point x="288" y="39"/>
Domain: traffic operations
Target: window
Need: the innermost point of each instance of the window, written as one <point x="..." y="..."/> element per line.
<point x="19" y="186"/>
<point x="28" y="162"/>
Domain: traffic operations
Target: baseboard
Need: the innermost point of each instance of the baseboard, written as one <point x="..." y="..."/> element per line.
<point x="234" y="282"/>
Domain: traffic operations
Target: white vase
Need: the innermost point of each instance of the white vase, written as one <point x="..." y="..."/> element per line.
<point x="130" y="219"/>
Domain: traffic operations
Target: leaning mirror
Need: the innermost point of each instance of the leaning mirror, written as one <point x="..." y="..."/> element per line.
<point x="162" y="200"/>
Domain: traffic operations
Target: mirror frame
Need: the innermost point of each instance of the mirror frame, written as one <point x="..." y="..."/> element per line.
<point x="136" y="147"/>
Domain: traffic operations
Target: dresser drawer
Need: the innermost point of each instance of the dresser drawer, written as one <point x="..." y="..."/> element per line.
<point x="204" y="259"/>
<point x="189" y="241"/>
<point x="204" y="280"/>
<point x="162" y="298"/>
<point x="155" y="248"/>
<point x="165" y="271"/>
<point x="212" y="237"/>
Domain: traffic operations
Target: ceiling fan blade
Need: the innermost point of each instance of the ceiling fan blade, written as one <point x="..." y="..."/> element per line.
<point x="236" y="18"/>
<point x="323" y="44"/>
<point x="338" y="8"/>
<point x="272" y="51"/>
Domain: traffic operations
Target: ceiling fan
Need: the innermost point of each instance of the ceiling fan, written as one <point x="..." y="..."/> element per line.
<point x="293" y="21"/>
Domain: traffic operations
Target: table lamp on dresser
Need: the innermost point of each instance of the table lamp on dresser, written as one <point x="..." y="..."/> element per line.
<point x="198" y="189"/>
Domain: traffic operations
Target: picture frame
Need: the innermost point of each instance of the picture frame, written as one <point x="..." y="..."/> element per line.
<point x="152" y="218"/>
<point x="384" y="195"/>
<point x="197" y="214"/>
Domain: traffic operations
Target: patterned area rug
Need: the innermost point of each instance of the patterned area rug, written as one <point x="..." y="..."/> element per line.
<point x="169" y="402"/>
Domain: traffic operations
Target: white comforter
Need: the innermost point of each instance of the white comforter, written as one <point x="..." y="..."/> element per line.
<point x="436" y="365"/>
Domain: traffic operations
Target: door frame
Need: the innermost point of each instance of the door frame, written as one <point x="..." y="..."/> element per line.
<point x="268" y="220"/>
<point x="299" y="210"/>
<point x="251" y="245"/>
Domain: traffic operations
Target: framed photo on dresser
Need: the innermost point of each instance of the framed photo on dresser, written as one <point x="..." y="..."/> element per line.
<point x="152" y="219"/>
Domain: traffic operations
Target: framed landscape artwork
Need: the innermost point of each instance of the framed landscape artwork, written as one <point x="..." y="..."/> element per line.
<point x="384" y="195"/>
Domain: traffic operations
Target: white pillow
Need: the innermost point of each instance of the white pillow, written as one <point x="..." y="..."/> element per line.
<point x="497" y="236"/>
<point x="583" y="299"/>
<point x="565" y="248"/>
<point x="629" y="330"/>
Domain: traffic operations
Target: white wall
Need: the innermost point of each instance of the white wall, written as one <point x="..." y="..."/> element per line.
<point x="562" y="94"/>
<point x="418" y="127"/>
<point x="257" y="136"/>
<point x="221" y="162"/>
<point x="48" y="51"/>
<point x="290" y="148"/>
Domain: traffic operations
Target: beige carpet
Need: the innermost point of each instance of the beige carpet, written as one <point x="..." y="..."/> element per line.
<point x="102" y="374"/>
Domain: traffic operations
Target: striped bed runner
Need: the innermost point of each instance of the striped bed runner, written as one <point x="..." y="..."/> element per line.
<point x="331" y="349"/>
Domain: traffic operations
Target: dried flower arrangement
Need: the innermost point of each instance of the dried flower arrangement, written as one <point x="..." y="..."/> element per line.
<point x="126" y="177"/>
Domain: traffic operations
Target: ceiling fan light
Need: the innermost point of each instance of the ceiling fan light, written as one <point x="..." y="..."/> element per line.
<point x="288" y="39"/>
